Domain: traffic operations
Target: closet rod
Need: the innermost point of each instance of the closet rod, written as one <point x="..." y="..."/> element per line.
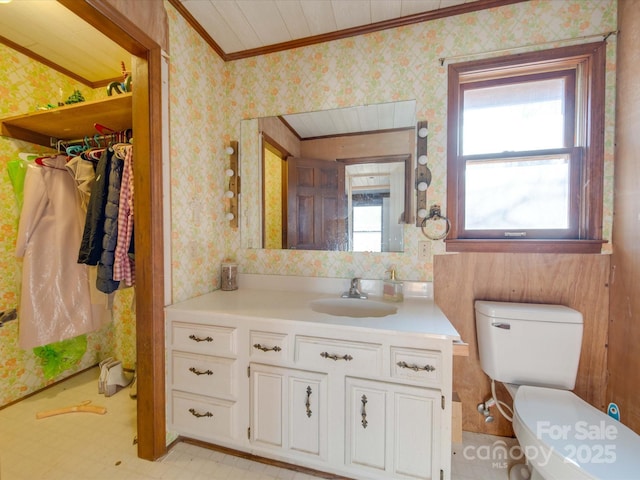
<point x="126" y="134"/>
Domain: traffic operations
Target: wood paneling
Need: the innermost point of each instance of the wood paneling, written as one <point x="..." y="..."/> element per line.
<point x="357" y="146"/>
<point x="578" y="281"/>
<point x="624" y="328"/>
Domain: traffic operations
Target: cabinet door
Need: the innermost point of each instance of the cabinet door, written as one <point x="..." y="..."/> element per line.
<point x="416" y="431"/>
<point x="267" y="405"/>
<point x="367" y="424"/>
<point x="289" y="409"/>
<point x="393" y="428"/>
<point x="307" y="413"/>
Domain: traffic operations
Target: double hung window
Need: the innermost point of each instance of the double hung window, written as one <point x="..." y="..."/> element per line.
<point x="525" y="152"/>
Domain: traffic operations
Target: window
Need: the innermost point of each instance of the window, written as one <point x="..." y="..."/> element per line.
<point x="368" y="221"/>
<point x="525" y="152"/>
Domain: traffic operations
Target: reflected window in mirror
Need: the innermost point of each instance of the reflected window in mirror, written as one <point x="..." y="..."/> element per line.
<point x="367" y="224"/>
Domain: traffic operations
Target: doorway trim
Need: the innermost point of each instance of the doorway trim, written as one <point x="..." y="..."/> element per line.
<point x="120" y="20"/>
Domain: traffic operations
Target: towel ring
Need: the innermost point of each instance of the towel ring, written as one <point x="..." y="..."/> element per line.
<point x="435" y="215"/>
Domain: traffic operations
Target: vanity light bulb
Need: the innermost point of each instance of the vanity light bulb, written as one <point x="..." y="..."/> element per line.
<point x="422" y="133"/>
<point x="422" y="213"/>
<point x="422" y="159"/>
<point x="422" y="186"/>
<point x="229" y="150"/>
<point x="229" y="173"/>
<point x="230" y="216"/>
<point x="228" y="194"/>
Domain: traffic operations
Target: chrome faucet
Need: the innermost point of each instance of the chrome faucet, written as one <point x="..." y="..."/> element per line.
<point x="354" y="290"/>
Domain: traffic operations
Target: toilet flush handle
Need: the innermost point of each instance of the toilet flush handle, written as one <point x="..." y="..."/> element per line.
<point x="504" y="326"/>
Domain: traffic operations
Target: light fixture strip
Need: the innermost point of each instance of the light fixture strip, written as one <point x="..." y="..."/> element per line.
<point x="234" y="183"/>
<point x="422" y="171"/>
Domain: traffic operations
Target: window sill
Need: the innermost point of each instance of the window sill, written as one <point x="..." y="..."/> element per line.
<point x="524" y="246"/>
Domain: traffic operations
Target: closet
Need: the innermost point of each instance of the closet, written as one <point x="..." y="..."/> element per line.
<point x="141" y="28"/>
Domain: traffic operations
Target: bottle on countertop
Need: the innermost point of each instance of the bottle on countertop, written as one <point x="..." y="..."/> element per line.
<point x="392" y="288"/>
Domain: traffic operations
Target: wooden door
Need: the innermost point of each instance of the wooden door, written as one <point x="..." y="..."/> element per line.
<point x="316" y="205"/>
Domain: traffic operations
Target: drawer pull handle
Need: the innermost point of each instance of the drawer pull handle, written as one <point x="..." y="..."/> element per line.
<point x="267" y="349"/>
<point x="364" y="411"/>
<point x="415" y="368"/>
<point x="200" y="372"/>
<point x="193" y="412"/>
<point x="335" y="357"/>
<point x="308" y="402"/>
<point x="198" y="339"/>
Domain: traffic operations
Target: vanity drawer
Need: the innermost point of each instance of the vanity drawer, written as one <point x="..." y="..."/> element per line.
<point x="213" y="376"/>
<point x="202" y="416"/>
<point x="416" y="364"/>
<point x="268" y="345"/>
<point x="207" y="339"/>
<point x="326" y="353"/>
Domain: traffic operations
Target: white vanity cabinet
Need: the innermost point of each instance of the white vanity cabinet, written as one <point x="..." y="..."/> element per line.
<point x="363" y="398"/>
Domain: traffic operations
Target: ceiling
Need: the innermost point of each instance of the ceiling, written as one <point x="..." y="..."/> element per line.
<point x="240" y="28"/>
<point x="343" y="121"/>
<point x="50" y="33"/>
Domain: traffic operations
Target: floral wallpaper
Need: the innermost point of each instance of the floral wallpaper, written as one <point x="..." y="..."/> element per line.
<point x="273" y="199"/>
<point x="403" y="63"/>
<point x="24" y="86"/>
<point x="200" y="233"/>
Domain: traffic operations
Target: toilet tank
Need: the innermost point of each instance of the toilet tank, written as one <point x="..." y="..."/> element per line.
<point x="529" y="344"/>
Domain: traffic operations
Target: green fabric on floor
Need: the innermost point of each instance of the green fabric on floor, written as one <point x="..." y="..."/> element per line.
<point x="60" y="356"/>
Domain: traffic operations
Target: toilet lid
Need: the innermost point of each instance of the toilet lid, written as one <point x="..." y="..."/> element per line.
<point x="579" y="433"/>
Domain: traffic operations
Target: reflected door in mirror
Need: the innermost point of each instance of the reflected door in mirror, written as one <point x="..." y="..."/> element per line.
<point x="316" y="205"/>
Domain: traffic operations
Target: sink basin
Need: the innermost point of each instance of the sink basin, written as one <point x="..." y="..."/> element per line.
<point x="352" y="307"/>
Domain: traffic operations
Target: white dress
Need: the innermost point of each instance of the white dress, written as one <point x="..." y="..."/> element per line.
<point x="55" y="302"/>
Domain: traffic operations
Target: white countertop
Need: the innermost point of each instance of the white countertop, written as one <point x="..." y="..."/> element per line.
<point x="416" y="314"/>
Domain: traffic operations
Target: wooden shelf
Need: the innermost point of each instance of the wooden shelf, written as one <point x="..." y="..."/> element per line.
<point x="69" y="122"/>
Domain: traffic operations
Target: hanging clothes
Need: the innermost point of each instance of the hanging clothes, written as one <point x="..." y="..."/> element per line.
<point x="84" y="175"/>
<point x="91" y="246"/>
<point x="105" y="282"/>
<point x="123" y="263"/>
<point x="17" y="173"/>
<point x="55" y="300"/>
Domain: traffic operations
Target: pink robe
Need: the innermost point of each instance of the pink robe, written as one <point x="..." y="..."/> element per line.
<point x="55" y="302"/>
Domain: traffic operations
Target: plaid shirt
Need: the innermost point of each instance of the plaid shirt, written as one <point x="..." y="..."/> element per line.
<point x="123" y="264"/>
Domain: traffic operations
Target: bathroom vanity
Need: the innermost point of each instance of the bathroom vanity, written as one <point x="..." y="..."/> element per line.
<point x="260" y="371"/>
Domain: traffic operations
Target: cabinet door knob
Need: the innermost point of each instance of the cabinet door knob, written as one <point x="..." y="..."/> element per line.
<point x="415" y="368"/>
<point x="193" y="412"/>
<point x="199" y="339"/>
<point x="200" y="372"/>
<point x="364" y="411"/>
<point x="267" y="349"/>
<point x="335" y="357"/>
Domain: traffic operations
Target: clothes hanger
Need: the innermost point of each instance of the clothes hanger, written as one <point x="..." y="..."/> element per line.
<point x="28" y="157"/>
<point x="42" y="162"/>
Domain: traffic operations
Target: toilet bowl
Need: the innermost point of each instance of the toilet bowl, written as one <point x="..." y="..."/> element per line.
<point x="565" y="438"/>
<point x="534" y="351"/>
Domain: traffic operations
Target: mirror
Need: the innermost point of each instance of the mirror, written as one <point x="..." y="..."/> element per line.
<point x="328" y="180"/>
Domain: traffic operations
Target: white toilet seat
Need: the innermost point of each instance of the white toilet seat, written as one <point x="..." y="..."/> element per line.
<point x="565" y="438"/>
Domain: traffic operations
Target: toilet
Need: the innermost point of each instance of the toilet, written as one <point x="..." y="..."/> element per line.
<point x="534" y="350"/>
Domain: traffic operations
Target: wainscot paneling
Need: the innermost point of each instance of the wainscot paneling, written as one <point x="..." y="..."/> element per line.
<point x="624" y="329"/>
<point x="577" y="281"/>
